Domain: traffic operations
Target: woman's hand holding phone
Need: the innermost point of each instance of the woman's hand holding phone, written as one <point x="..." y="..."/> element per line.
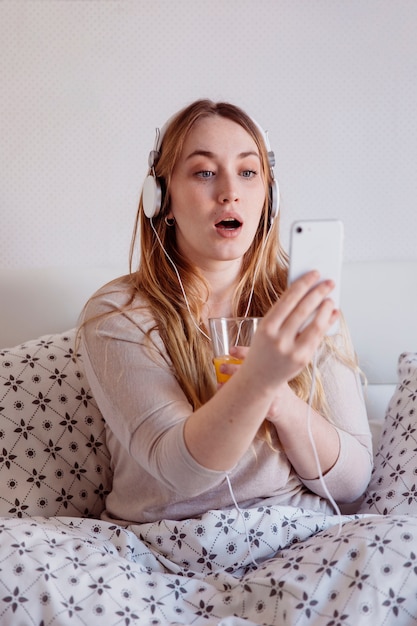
<point x="279" y="350"/>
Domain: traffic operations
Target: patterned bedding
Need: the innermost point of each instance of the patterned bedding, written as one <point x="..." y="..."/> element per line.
<point x="310" y="570"/>
<point x="60" y="565"/>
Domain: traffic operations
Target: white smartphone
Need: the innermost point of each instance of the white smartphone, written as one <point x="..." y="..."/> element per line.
<point x="318" y="245"/>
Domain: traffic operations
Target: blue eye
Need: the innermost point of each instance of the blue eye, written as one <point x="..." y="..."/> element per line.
<point x="205" y="174"/>
<point x="248" y="173"/>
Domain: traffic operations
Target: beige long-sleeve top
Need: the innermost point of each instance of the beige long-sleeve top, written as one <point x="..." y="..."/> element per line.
<point x="155" y="476"/>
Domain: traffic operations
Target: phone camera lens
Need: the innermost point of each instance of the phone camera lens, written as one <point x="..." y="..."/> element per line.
<point x="299" y="229"/>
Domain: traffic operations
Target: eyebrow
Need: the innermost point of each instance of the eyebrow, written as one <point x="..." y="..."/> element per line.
<point x="212" y="155"/>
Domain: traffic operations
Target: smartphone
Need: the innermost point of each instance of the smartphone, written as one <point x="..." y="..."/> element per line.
<point x="318" y="245"/>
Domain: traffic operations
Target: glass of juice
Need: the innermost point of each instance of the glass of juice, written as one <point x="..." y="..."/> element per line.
<point x="226" y="332"/>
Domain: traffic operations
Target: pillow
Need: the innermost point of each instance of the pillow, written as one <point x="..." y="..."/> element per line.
<point x="53" y="455"/>
<point x="393" y="486"/>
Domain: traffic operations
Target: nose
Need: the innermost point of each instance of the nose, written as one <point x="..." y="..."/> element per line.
<point x="228" y="198"/>
<point x="228" y="192"/>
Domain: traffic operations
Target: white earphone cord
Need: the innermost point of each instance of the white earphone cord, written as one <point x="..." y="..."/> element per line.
<point x="310" y="433"/>
<point x="313" y="444"/>
<point x="200" y="330"/>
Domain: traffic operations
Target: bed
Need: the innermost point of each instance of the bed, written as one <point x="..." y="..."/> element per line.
<point x="61" y="564"/>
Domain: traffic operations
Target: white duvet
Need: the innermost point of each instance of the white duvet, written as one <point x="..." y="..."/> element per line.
<point x="309" y="570"/>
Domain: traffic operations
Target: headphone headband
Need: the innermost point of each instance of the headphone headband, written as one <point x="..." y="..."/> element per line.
<point x="152" y="191"/>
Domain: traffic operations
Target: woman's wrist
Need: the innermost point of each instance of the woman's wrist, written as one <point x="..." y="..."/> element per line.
<point x="284" y="406"/>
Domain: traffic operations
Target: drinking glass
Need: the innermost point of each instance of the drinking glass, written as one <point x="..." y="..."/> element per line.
<point x="226" y="332"/>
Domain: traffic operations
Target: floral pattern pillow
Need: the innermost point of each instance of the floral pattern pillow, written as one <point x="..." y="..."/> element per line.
<point x="53" y="454"/>
<point x="393" y="486"/>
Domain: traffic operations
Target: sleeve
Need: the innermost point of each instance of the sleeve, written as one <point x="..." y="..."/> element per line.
<point x="350" y="475"/>
<point x="142" y="403"/>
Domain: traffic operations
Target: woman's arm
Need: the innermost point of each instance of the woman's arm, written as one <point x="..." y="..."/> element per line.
<point x="219" y="433"/>
<point x="149" y="414"/>
<point x="350" y="475"/>
<point x="293" y="419"/>
<point x="343" y="444"/>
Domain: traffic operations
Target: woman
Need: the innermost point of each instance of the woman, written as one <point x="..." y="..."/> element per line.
<point x="210" y="248"/>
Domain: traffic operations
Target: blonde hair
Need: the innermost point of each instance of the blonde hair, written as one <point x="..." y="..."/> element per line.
<point x="156" y="280"/>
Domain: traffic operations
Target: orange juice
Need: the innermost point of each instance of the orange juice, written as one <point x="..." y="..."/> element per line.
<point x="218" y="361"/>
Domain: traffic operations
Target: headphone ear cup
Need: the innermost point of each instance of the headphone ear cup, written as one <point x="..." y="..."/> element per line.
<point x="151" y="196"/>
<point x="273" y="201"/>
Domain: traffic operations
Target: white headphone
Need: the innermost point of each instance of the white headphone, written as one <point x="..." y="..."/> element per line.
<point x="152" y="190"/>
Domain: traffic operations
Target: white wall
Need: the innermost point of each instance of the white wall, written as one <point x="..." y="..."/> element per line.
<point x="84" y="83"/>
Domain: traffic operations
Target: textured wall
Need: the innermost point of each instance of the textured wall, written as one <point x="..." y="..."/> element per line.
<point x="84" y="83"/>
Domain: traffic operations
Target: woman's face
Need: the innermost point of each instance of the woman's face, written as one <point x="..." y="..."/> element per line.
<point x="217" y="193"/>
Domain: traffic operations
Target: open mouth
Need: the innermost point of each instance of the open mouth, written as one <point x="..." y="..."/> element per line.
<point x="229" y="224"/>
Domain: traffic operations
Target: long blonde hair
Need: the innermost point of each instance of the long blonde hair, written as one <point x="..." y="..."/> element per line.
<point x="156" y="281"/>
